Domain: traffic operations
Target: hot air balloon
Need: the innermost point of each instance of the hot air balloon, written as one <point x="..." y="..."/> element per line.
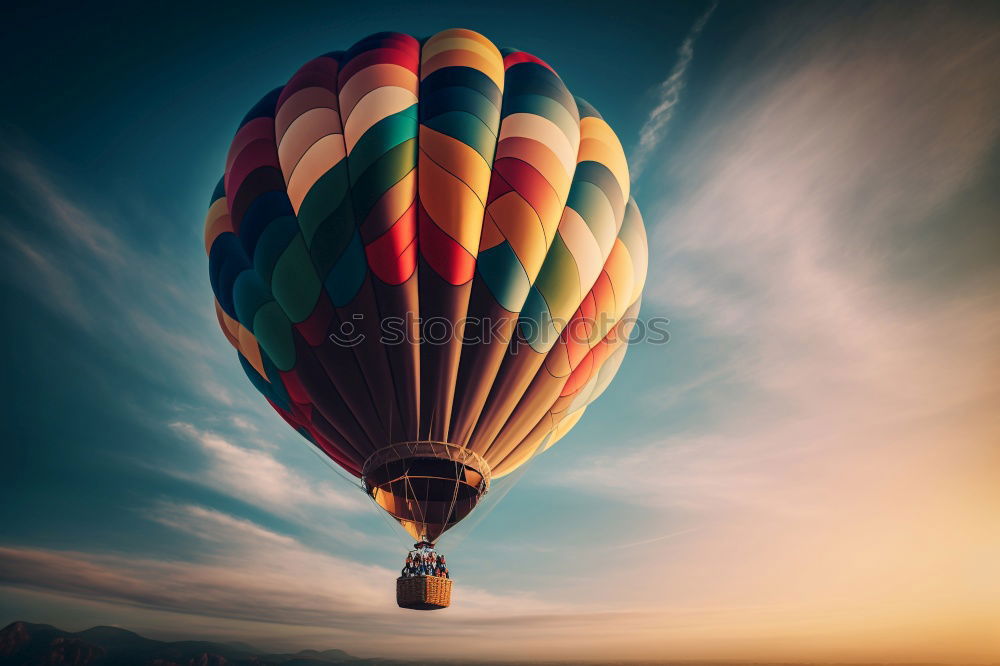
<point x="427" y="259"/>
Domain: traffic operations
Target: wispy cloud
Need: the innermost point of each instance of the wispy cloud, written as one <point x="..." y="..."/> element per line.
<point x="247" y="572"/>
<point x="78" y="224"/>
<point x="257" y="477"/>
<point x="652" y="540"/>
<point x="48" y="276"/>
<point x="655" y="128"/>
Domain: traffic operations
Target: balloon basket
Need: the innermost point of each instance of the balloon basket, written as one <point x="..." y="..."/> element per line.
<point x="423" y="592"/>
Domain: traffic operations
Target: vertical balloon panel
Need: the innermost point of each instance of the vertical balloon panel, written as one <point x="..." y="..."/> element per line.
<point x="378" y="97"/>
<point x="586" y="234"/>
<point x="577" y="390"/>
<point x="323" y="257"/>
<point x="275" y="295"/>
<point x="461" y="82"/>
<point x="274" y="290"/>
<point x="532" y="169"/>
<point x="593" y="353"/>
<point x="602" y="161"/>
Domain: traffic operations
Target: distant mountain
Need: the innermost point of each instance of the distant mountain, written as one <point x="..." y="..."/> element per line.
<point x="26" y="644"/>
<point x="243" y="646"/>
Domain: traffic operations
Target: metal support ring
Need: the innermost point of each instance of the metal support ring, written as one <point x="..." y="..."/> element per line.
<point x="428" y="449"/>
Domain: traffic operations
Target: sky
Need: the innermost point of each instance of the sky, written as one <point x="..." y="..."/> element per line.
<point x="808" y="470"/>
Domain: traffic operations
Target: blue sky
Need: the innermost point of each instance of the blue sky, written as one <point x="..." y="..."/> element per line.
<point x="808" y="470"/>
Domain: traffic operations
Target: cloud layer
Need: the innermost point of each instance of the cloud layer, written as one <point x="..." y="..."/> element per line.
<point x="248" y="575"/>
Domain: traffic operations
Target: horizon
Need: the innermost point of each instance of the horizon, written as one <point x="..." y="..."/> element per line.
<point x="255" y="649"/>
<point x="807" y="471"/>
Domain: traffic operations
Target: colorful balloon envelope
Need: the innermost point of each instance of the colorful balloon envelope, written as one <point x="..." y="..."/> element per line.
<point x="426" y="256"/>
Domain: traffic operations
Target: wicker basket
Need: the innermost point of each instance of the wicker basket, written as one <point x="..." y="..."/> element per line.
<point x="423" y="592"/>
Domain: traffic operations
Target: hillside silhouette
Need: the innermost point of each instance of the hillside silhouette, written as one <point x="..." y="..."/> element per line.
<point x="27" y="644"/>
